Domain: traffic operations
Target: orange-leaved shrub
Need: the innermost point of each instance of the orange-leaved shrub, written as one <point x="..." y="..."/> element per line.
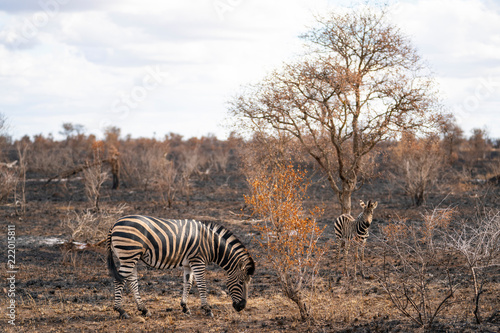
<point x="289" y="235"/>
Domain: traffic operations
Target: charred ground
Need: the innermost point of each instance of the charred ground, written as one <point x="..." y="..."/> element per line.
<point x="63" y="286"/>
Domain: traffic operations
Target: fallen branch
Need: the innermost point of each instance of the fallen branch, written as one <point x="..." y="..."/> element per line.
<point x="76" y="170"/>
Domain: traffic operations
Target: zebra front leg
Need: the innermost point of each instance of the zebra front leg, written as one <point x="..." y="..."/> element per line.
<point x="199" y="275"/>
<point x="346" y="252"/>
<point x="134" y="287"/>
<point x="187" y="283"/>
<point x="356" y="261"/>
<point x="118" y="299"/>
<point x="362" y="260"/>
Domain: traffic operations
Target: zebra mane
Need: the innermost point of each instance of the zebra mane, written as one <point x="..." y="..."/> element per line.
<point x="220" y="229"/>
<point x="227" y="234"/>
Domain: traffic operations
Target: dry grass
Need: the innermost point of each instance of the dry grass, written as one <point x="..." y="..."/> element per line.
<point x="90" y="226"/>
<point x="79" y="298"/>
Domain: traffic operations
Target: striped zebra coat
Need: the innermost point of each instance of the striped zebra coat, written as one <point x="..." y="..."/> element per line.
<point x="348" y="229"/>
<point x="163" y="243"/>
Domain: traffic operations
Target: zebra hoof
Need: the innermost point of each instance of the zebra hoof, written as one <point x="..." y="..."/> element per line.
<point x="146" y="313"/>
<point x="124" y="315"/>
<point x="208" y="312"/>
<point x="185" y="309"/>
<point x="122" y="312"/>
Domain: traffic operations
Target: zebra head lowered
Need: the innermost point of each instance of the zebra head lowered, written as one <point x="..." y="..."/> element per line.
<point x="167" y="243"/>
<point x="238" y="282"/>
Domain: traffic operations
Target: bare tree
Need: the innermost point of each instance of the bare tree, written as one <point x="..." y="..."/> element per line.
<point x="70" y="128"/>
<point x="361" y="83"/>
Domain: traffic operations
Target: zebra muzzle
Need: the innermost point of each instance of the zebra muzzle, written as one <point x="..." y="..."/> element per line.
<point x="238" y="306"/>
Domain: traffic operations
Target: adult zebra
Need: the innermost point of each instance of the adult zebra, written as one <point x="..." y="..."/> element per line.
<point x="163" y="243"/>
<point x="348" y="229"/>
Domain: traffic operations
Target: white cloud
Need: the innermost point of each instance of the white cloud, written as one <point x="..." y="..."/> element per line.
<point x="460" y="41"/>
<point x="91" y="54"/>
<point x="452" y="33"/>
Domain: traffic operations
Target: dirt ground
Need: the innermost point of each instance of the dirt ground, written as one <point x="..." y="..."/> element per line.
<point x="61" y="288"/>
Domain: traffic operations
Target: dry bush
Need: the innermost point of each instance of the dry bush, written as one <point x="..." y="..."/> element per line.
<point x="190" y="163"/>
<point x="49" y="157"/>
<point x="417" y="165"/>
<point x="13" y="177"/>
<point x="478" y="146"/>
<point x="414" y="260"/>
<point x="219" y="159"/>
<point x="22" y="153"/>
<point x="8" y="182"/>
<point x="165" y="167"/>
<point x="478" y="242"/>
<point x="94" y="176"/>
<point x="289" y="236"/>
<point x="142" y="162"/>
<point x="90" y="226"/>
<point x="453" y="138"/>
<point x="493" y="171"/>
<point x="50" y="161"/>
<point x="166" y="182"/>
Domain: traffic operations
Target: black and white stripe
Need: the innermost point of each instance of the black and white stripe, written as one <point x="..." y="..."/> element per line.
<point x="348" y="229"/>
<point x="165" y="243"/>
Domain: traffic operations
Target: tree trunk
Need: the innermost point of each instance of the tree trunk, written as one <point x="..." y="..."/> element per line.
<point x="115" y="170"/>
<point x="345" y="201"/>
<point x="303" y="309"/>
<point x="477" y="294"/>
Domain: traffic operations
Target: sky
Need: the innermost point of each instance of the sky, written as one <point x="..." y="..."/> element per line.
<point x="155" y="67"/>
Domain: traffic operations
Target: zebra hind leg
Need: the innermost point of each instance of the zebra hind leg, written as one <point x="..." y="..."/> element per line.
<point x="118" y="299"/>
<point x="128" y="272"/>
<point x="134" y="287"/>
<point x="340" y="248"/>
<point x="187" y="278"/>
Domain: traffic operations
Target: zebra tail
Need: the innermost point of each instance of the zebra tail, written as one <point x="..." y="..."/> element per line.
<point x="111" y="263"/>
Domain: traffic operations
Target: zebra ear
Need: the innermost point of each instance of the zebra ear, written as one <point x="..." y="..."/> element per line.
<point x="250" y="267"/>
<point x="362" y="204"/>
<point x="374" y="205"/>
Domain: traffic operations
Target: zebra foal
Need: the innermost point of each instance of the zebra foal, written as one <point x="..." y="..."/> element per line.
<point x="348" y="229"/>
<point x="163" y="243"/>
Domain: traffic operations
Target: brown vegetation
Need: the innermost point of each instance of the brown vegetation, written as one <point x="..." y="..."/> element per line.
<point x="289" y="235"/>
<point x="424" y="266"/>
